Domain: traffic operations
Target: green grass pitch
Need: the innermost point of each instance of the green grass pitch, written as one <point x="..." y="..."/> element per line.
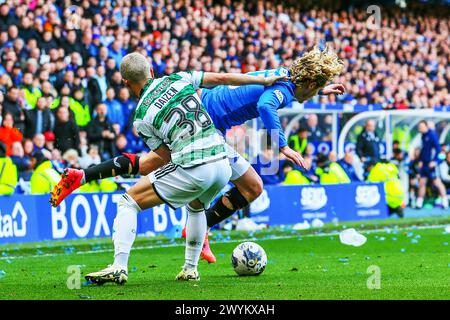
<point x="413" y="258"/>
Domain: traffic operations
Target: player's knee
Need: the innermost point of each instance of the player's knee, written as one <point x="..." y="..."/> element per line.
<point x="255" y="188"/>
<point x="127" y="202"/>
<point x="195" y="207"/>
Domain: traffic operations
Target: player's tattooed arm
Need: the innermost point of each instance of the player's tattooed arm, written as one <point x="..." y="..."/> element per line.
<point x="212" y="79"/>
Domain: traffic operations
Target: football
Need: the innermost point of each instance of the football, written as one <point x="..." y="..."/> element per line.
<point x="249" y="259"/>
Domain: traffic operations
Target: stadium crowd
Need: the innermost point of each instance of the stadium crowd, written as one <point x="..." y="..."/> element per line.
<point x="63" y="104"/>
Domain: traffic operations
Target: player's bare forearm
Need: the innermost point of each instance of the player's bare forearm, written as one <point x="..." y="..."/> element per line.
<point x="154" y="160"/>
<point x="212" y="79"/>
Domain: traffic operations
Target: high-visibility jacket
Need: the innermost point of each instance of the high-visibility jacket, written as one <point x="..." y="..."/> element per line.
<point x="297" y="144"/>
<point x="383" y="172"/>
<point x="388" y="174"/>
<point x="44" y="178"/>
<point x="8" y="176"/>
<point x="31" y="96"/>
<point x="335" y="174"/>
<point x="295" y="177"/>
<point x="82" y="113"/>
<point x="105" y="185"/>
<point x="403" y="135"/>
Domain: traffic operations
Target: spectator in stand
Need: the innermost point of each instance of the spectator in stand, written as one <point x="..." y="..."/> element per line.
<point x="134" y="142"/>
<point x="44" y="177"/>
<point x="66" y="131"/>
<point x="110" y="70"/>
<point x="115" y="113"/>
<point x="93" y="87"/>
<point x="327" y="127"/>
<point x="6" y="19"/>
<point x="28" y="148"/>
<point x="116" y="82"/>
<point x="267" y="167"/>
<point x="293" y="176"/>
<point x="92" y="157"/>
<point x="14" y="105"/>
<point x="314" y="132"/>
<point x="399" y="157"/>
<point x="71" y="159"/>
<point x="57" y="161"/>
<point x="49" y="140"/>
<point x="101" y="133"/>
<point x="158" y="64"/>
<point x="102" y="81"/>
<point x="39" y="142"/>
<point x="71" y="43"/>
<point x="116" y="51"/>
<point x="39" y="119"/>
<point x="22" y="163"/>
<point x="9" y="134"/>
<point x="122" y="145"/>
<point x="8" y="173"/>
<point x="128" y="105"/>
<point x="48" y="42"/>
<point x="346" y="164"/>
<point x="30" y="91"/>
<point x="368" y="143"/>
<point x="299" y="141"/>
<point x="80" y="108"/>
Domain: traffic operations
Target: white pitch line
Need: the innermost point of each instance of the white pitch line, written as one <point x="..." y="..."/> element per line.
<point x="333" y="233"/>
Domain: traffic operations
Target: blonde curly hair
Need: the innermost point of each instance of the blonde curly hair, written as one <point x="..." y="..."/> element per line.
<point x="319" y="66"/>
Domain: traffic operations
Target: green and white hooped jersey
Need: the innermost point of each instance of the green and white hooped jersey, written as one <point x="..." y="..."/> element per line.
<point x="170" y="111"/>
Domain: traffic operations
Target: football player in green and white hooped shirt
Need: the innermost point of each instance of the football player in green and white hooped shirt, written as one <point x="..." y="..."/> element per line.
<point x="173" y="122"/>
<point x="170" y="110"/>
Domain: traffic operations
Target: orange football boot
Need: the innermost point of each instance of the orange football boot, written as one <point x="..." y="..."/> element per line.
<point x="206" y="254"/>
<point x="70" y="181"/>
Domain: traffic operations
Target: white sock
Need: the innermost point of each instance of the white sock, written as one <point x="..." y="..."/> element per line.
<point x="124" y="229"/>
<point x="419" y="202"/>
<point x="195" y="235"/>
<point x="121" y="259"/>
<point x="445" y="202"/>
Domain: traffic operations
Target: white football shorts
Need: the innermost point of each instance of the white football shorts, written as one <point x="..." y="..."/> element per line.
<point x="238" y="164"/>
<point x="178" y="186"/>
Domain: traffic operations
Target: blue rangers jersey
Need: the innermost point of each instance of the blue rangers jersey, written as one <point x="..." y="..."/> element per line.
<point x="233" y="105"/>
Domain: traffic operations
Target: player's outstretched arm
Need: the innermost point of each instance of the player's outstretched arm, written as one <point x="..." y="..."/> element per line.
<point x="211" y="79"/>
<point x="334" y="88"/>
<point x="127" y="163"/>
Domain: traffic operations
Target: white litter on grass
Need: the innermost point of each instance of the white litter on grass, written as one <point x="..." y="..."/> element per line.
<point x="447" y="229"/>
<point x="352" y="237"/>
<point x="150" y="234"/>
<point x="227" y="240"/>
<point x="248" y="224"/>
<point x="317" y="223"/>
<point x="301" y="226"/>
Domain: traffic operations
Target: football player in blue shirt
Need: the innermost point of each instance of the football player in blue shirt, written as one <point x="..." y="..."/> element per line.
<point x="229" y="106"/>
